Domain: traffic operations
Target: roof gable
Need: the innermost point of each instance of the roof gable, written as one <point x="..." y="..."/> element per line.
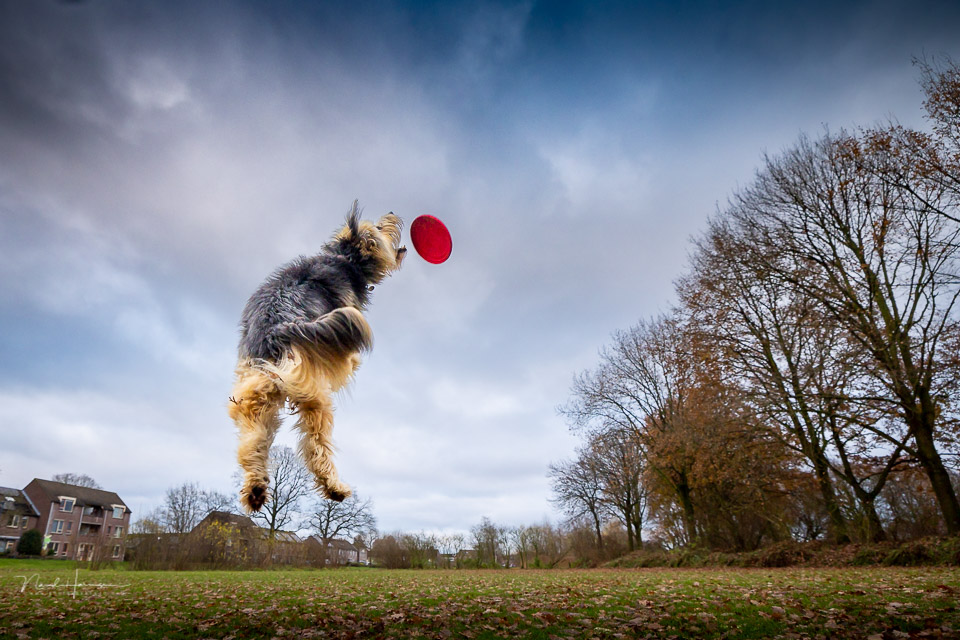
<point x="336" y="543"/>
<point x="86" y="496"/>
<point x="16" y="500"/>
<point x="226" y="517"/>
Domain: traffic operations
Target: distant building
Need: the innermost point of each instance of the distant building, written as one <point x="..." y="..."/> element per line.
<point x="339" y="551"/>
<point x="223" y="539"/>
<point x="17" y="514"/>
<point x="286" y="548"/>
<point x="79" y="523"/>
<point x="229" y="537"/>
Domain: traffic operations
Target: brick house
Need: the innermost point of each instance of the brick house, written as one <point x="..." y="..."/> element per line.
<point x="79" y="523"/>
<point x="339" y="551"/>
<point x="17" y="514"/>
<point x="228" y="536"/>
<point x="286" y="548"/>
<point x="224" y="537"/>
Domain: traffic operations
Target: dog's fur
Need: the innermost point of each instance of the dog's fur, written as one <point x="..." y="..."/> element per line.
<point x="301" y="337"/>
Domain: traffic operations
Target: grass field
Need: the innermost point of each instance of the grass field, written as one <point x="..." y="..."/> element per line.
<point x="363" y="603"/>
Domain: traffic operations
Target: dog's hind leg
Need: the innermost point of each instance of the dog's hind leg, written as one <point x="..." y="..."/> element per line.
<point x="316" y="446"/>
<point x="254" y="407"/>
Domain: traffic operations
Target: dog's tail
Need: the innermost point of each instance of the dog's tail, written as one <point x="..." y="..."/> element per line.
<point x="337" y="334"/>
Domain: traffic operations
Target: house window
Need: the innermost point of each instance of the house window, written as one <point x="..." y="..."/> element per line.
<point x="63" y="549"/>
<point x="9" y="546"/>
<point x="53" y="548"/>
<point x="109" y="530"/>
<point x="118" y="512"/>
<point x="116" y="551"/>
<point x="57" y="526"/>
<point x="118" y="532"/>
<point x="66" y="504"/>
<point x="23" y="521"/>
<point x="14" y="520"/>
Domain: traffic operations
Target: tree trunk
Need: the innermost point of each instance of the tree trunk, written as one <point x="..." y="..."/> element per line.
<point x="932" y="463"/>
<point x="596" y="527"/>
<point x="637" y="519"/>
<point x="686" y="502"/>
<point x="875" y="532"/>
<point x="838" y="524"/>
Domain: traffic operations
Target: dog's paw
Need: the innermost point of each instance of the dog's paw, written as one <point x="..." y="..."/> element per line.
<point x="338" y="493"/>
<point x="254" y="498"/>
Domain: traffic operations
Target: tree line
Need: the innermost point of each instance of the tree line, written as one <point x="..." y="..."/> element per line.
<point x="294" y="506"/>
<point x="169" y="536"/>
<point x="804" y="385"/>
<point x="490" y="545"/>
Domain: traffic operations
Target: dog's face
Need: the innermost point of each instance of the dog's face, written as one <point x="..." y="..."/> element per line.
<point x="378" y="243"/>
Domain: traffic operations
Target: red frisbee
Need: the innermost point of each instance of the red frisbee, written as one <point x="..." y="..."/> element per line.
<point x="431" y="239"/>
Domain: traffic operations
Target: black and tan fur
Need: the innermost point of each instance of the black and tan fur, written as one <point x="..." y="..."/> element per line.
<point x="302" y="333"/>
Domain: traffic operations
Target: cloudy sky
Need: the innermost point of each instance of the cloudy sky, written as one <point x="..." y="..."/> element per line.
<point x="158" y="160"/>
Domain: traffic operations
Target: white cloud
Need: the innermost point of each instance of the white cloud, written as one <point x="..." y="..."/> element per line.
<point x="132" y="445"/>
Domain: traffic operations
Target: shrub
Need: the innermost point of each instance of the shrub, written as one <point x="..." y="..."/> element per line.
<point x="30" y="543"/>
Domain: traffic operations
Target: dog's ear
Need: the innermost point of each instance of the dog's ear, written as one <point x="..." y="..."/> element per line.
<point x="353" y="220"/>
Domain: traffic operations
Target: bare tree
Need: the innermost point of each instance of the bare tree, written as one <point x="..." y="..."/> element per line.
<point x="798" y="365"/>
<point x="881" y="260"/>
<point x="151" y="522"/>
<point x="488" y="541"/>
<point x="421" y="548"/>
<point x="578" y="489"/>
<point x="77" y="480"/>
<point x="219" y="501"/>
<point x="619" y="458"/>
<point x="451" y="546"/>
<point x="546" y="544"/>
<point x="187" y="504"/>
<point x="290" y="483"/>
<point x="641" y="388"/>
<point x="352" y="517"/>
<point x="184" y="506"/>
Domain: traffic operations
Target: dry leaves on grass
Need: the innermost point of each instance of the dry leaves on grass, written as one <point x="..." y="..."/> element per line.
<point x="487" y="604"/>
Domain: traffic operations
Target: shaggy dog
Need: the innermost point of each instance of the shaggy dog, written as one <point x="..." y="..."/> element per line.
<point x="301" y="337"/>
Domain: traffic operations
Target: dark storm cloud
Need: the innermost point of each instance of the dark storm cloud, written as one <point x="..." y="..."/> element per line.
<point x="157" y="160"/>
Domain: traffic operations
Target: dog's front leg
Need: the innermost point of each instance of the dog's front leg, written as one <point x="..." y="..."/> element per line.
<point x="316" y="446"/>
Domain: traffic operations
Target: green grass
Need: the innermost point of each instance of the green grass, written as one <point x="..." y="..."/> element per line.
<point x="363" y="603"/>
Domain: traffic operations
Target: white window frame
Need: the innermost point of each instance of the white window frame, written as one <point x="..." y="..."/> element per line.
<point x="23" y="521"/>
<point x="14" y="521"/>
<point x="64" y="500"/>
<point x="121" y="509"/>
<point x="53" y="549"/>
<point x="57" y="526"/>
<point x="116" y="551"/>
<point x="118" y="532"/>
